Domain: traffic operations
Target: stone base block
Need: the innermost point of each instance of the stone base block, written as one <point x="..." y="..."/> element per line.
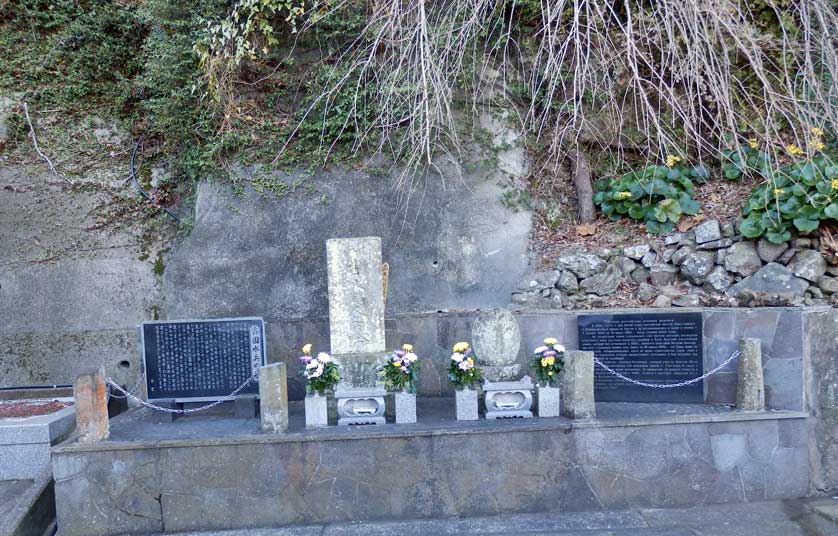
<point x="317" y="414"/>
<point x="466" y="402"/>
<point x="549" y="401"/>
<point x="360" y="405"/>
<point x="405" y="408"/>
<point x="508" y="400"/>
<point x="244" y="407"/>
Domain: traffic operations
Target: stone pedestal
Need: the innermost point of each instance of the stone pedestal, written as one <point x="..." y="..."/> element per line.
<point x="273" y="398"/>
<point x="578" y="385"/>
<point x="506" y="400"/>
<point x="317" y="414"/>
<point x="91" y="401"/>
<point x="466" y="402"/>
<point x="750" y="386"/>
<point x="360" y="405"/>
<point x="548" y="401"/>
<point x="496" y="339"/>
<point x="405" y="407"/>
<point x="244" y="406"/>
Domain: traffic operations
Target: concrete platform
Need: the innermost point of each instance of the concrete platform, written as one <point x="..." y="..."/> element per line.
<point x="27" y="506"/>
<point x="215" y="472"/>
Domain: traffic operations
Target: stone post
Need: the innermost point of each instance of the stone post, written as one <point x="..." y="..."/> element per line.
<point x="91" y="396"/>
<point x="273" y="398"/>
<point x="577" y="385"/>
<point x="750" y="387"/>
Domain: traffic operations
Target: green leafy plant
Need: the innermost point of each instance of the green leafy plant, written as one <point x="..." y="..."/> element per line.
<point x="743" y="160"/>
<point x="798" y="195"/>
<point x="548" y="361"/>
<point x="399" y="373"/>
<point x="461" y="370"/>
<point x="320" y="371"/>
<point x="657" y="195"/>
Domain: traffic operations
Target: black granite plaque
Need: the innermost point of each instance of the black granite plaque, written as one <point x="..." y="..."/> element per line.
<point x="201" y="359"/>
<point x="660" y="348"/>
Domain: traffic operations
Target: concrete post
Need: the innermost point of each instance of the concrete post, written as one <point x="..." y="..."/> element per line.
<point x="750" y="387"/>
<point x="577" y="385"/>
<point x="91" y="395"/>
<point x="273" y="398"/>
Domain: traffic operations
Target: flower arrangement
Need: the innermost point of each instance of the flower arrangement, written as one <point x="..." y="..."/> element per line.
<point x="399" y="373"/>
<point x="462" y="371"/>
<point x="548" y="361"/>
<point x="321" y="372"/>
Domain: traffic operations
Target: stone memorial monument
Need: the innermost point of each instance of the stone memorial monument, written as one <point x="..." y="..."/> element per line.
<point x="496" y="339"/>
<point x="356" y="327"/>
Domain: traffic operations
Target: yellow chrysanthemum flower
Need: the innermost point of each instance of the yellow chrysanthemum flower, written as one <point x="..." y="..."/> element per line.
<point x="753" y="143"/>
<point x="794" y="150"/>
<point x="671" y="160"/>
<point x="550" y="341"/>
<point x="461" y="347"/>
<point x="817" y="132"/>
<point x="550" y="361"/>
<point x="407" y="347"/>
<point x="543" y="361"/>
<point x="397" y="363"/>
<point x="549" y="372"/>
<point x="778" y="191"/>
<point x="307" y="349"/>
<point x="471" y="361"/>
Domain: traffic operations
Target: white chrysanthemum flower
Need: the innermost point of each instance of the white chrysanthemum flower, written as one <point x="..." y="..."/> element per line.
<point x="404" y="369"/>
<point x="464" y="365"/>
<point x="540" y="349"/>
<point x="410" y="357"/>
<point x="311" y="364"/>
<point x="323" y="357"/>
<point x="558" y="348"/>
<point x="458" y="357"/>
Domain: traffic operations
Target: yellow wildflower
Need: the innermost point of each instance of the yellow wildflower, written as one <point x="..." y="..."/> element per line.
<point x="550" y="341"/>
<point x="778" y="191"/>
<point x="671" y="160"/>
<point x="753" y="143"/>
<point x="622" y="195"/>
<point x="407" y="347"/>
<point x="834" y="183"/>
<point x="794" y="150"/>
<point x="816" y="144"/>
<point x="817" y="132"/>
<point x="307" y="349"/>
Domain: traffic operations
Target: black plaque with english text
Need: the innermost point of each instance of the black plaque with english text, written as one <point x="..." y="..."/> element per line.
<point x="201" y="359"/>
<point x="662" y="348"/>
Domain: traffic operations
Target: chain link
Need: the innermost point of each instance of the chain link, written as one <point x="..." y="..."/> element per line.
<point x="142" y="402"/>
<point x="733" y="356"/>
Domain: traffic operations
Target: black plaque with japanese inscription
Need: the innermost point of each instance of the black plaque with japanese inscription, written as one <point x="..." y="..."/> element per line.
<point x="201" y="359"/>
<point x="662" y="348"/>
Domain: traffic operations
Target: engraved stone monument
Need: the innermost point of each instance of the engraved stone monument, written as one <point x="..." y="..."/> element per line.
<point x="356" y="327"/>
<point x="496" y="339"/>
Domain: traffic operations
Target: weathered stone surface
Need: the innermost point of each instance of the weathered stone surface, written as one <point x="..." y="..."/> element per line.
<point x="577" y="385"/>
<point x="548" y="401"/>
<point x="697" y="265"/>
<point x="567" y="282"/>
<point x="581" y="264"/>
<point x="687" y="300"/>
<point x="316" y="407"/>
<point x="716" y="244"/>
<point x="771" y="279"/>
<point x="539" y="280"/>
<point x="680" y="255"/>
<point x="273" y="398"/>
<point x="604" y="283"/>
<point x="821" y="339"/>
<point x="640" y="275"/>
<point x="496" y="337"/>
<point x="646" y="292"/>
<point x="707" y="231"/>
<point x="719" y="280"/>
<point x="465" y="401"/>
<point x="662" y="301"/>
<point x="750" y="389"/>
<point x="769" y="251"/>
<point x="828" y="284"/>
<point x="742" y="259"/>
<point x="90" y="392"/>
<point x="728" y="230"/>
<point x="637" y="251"/>
<point x="673" y="239"/>
<point x="649" y="259"/>
<point x="808" y="264"/>
<point x="405" y="407"/>
<point x="663" y="274"/>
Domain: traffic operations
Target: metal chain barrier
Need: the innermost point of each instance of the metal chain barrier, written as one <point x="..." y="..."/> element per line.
<point x="142" y="402"/>
<point x="733" y="356"/>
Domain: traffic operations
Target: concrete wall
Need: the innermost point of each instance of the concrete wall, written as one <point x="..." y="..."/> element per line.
<point x="270" y="481"/>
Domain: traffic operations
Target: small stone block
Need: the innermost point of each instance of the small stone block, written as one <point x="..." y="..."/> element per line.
<point x="91" y="400"/>
<point x="316" y="411"/>
<point x="405" y="408"/>
<point x="578" y="385"/>
<point x="244" y="407"/>
<point x="466" y="402"/>
<point x="273" y="398"/>
<point x="750" y="387"/>
<point x="165" y="416"/>
<point x="549" y="401"/>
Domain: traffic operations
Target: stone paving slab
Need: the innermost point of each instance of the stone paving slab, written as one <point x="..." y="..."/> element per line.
<point x="767" y="518"/>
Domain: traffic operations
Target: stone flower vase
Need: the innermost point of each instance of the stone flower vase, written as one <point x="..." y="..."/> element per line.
<point x="405" y="403"/>
<point x="317" y="413"/>
<point x="466" y="399"/>
<point x="548" y="400"/>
